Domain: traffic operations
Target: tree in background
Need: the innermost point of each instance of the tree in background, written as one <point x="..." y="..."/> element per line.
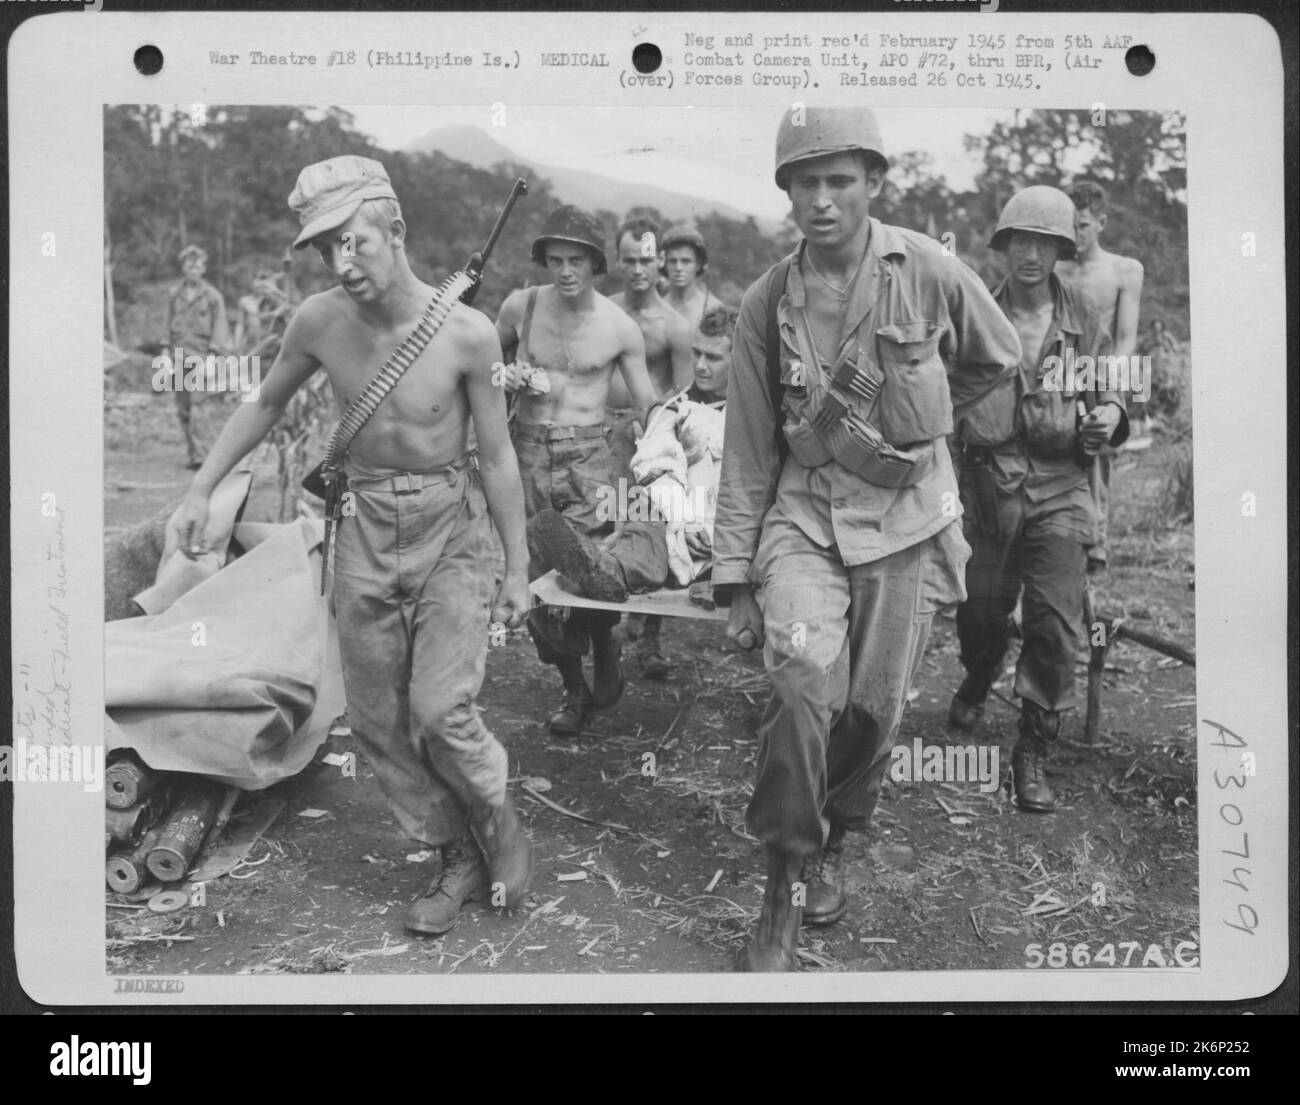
<point x="220" y="176"/>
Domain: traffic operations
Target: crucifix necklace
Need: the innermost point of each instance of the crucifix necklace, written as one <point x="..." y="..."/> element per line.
<point x="842" y="294"/>
<point x="567" y="355"/>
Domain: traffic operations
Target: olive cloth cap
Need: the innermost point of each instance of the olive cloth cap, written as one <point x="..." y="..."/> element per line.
<point x="570" y="224"/>
<point x="192" y="251"/>
<point x="328" y="193"/>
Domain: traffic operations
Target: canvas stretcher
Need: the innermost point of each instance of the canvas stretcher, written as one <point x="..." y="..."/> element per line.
<point x="550" y="590"/>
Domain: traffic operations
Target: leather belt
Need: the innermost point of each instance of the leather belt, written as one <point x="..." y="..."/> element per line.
<point x="400" y="483"/>
<point x="549" y="432"/>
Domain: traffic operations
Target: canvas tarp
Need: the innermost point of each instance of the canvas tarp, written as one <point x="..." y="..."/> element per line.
<point x="239" y="677"/>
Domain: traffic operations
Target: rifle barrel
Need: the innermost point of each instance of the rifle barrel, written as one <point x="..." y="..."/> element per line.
<point x="518" y="189"/>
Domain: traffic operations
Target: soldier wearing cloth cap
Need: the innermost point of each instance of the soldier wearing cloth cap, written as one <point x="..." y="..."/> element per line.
<point x="578" y="337"/>
<point x="413" y="569"/>
<point x="1030" y="515"/>
<point x="851" y="355"/>
<point x="196" y="324"/>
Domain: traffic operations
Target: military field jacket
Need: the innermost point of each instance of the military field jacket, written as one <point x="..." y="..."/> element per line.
<point x="929" y="324"/>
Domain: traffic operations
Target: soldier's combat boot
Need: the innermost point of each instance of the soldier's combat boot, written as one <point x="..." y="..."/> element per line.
<point x="654" y="664"/>
<point x="967" y="706"/>
<point x="573" y="713"/>
<point x="606" y="667"/>
<point x="775" y="942"/>
<point x="588" y="566"/>
<point x="505" y="847"/>
<point x="823" y="876"/>
<point x="463" y="878"/>
<point x="1039" y="729"/>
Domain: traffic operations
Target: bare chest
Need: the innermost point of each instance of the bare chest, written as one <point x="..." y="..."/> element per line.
<point x="429" y="388"/>
<point x="1032" y="330"/>
<point x="1101" y="283"/>
<point x="826" y="315"/>
<point x="654" y="332"/>
<point x="580" y="350"/>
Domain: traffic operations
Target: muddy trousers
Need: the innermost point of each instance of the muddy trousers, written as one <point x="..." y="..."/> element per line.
<point x="1039" y="547"/>
<point x="842" y="645"/>
<point x="412" y="589"/>
<point x="566" y="469"/>
<point x="640" y="549"/>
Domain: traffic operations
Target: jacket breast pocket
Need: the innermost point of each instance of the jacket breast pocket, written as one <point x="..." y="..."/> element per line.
<point x="806" y="446"/>
<point x="1050" y="419"/>
<point x="914" y="403"/>
<point x="803" y="389"/>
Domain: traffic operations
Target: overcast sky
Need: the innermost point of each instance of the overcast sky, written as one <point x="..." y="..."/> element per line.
<point x="717" y="153"/>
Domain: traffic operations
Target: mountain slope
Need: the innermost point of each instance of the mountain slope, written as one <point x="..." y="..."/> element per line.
<point x="477" y="147"/>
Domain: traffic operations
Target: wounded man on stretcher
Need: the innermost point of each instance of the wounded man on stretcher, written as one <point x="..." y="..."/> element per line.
<point x="666" y="536"/>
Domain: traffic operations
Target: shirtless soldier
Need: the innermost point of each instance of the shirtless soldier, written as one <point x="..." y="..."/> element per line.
<point x="668" y="359"/>
<point x="686" y="261"/>
<point x="413" y="613"/>
<point x="1114" y="283"/>
<point x="578" y="336"/>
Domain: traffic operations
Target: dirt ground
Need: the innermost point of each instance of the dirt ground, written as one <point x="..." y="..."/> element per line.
<point x="654" y="872"/>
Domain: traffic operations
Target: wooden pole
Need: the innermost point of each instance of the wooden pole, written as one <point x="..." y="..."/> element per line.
<point x="1096" y="665"/>
<point x="1159" y="644"/>
<point x="110" y="306"/>
<point x="1112" y="629"/>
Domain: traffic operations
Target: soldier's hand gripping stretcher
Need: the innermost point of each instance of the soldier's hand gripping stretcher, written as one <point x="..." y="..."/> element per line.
<point x="1098" y="427"/>
<point x="745" y="620"/>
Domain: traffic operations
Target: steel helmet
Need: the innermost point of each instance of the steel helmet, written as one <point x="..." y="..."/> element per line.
<point x="1038" y="210"/>
<point x="807" y="132"/>
<point x="685" y="235"/>
<point x="570" y="224"/>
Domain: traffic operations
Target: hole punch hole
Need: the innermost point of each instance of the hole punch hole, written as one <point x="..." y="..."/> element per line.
<point x="1140" y="60"/>
<point x="646" y="57"/>
<point x="148" y="60"/>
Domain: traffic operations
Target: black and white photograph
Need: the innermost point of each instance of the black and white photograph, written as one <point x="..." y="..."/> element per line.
<point x="948" y="722"/>
<point x="657" y="536"/>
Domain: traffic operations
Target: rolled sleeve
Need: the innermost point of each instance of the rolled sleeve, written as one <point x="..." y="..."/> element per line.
<point x="751" y="463"/>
